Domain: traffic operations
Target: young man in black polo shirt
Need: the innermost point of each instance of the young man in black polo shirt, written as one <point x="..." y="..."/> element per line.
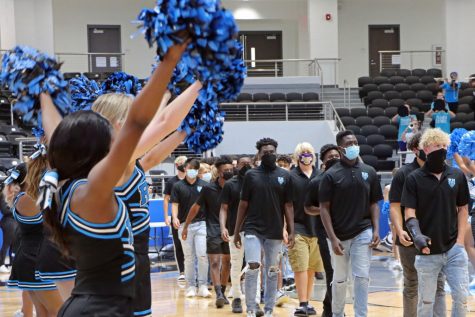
<point x="349" y="193"/>
<point x="230" y="197"/>
<point x="407" y="251"/>
<point x="304" y="256"/>
<point x="184" y="195"/>
<point x="436" y="197"/>
<point x="265" y="198"/>
<point x="329" y="155"/>
<point x="216" y="247"/>
<point x="180" y="168"/>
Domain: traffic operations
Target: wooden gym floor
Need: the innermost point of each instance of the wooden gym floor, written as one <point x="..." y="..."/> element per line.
<point x="385" y="298"/>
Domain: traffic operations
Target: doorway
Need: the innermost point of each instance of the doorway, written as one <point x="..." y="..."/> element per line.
<point x="383" y="38"/>
<point x="262" y="45"/>
<point x="104" y="39"/>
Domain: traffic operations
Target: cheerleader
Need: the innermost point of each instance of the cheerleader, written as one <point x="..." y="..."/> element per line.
<point x="87" y="217"/>
<point x="43" y="293"/>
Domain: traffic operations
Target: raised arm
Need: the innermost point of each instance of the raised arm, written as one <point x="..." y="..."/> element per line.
<point x="162" y="150"/>
<point x="167" y="120"/>
<point x="49" y="115"/>
<point x="105" y="175"/>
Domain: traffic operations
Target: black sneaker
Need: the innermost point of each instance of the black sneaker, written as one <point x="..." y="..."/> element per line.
<point x="220" y="301"/>
<point x="311" y="310"/>
<point x="305" y="311"/>
<point x="259" y="311"/>
<point x="237" y="306"/>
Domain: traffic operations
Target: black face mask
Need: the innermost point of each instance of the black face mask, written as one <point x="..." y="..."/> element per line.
<point x="436" y="161"/>
<point x="181" y="168"/>
<point x="228" y="175"/>
<point x="268" y="161"/>
<point x="330" y="163"/>
<point x="243" y="170"/>
<point x="422" y="155"/>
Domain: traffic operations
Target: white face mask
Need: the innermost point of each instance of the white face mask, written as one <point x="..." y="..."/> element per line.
<point x="207" y="177"/>
<point x="192" y="173"/>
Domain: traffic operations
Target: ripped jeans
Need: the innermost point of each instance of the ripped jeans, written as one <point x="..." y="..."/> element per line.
<point x="356" y="254"/>
<point x="272" y="252"/>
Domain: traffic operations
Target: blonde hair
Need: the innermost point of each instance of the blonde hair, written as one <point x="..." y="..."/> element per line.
<point x="36" y="168"/>
<point x="303" y="148"/>
<point x="180" y="160"/>
<point x="114" y="106"/>
<point x="204" y="168"/>
<point x="434" y="137"/>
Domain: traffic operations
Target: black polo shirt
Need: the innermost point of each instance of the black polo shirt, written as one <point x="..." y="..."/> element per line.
<point x="209" y="200"/>
<point x="231" y="195"/>
<point x="185" y="195"/>
<point x="267" y="192"/>
<point x="169" y="185"/>
<point x="436" y="204"/>
<point x="397" y="186"/>
<point x="350" y="190"/>
<point x="304" y="223"/>
<point x="311" y="199"/>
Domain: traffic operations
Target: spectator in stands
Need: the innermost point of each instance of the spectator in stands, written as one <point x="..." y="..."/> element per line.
<point x="284" y="161"/>
<point x="439" y="96"/>
<point x="349" y="194"/>
<point x="180" y="163"/>
<point x="403" y="118"/>
<point x="407" y="135"/>
<point x="266" y="198"/>
<point x="441" y="116"/>
<point x="451" y="91"/>
<point x="216" y="248"/>
<point x="435" y="198"/>
<point x="184" y="195"/>
<point x="329" y="155"/>
<point x="8" y="225"/>
<point x="305" y="256"/>
<point x="405" y="246"/>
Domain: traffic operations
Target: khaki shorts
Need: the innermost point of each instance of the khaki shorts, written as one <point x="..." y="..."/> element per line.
<point x="305" y="255"/>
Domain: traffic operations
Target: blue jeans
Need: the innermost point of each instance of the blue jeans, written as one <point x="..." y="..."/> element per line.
<point x="453" y="264"/>
<point x="356" y="254"/>
<point x="272" y="253"/>
<point x="286" y="268"/>
<point x="194" y="248"/>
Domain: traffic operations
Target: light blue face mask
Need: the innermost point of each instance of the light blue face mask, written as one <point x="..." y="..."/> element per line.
<point x="192" y="173"/>
<point x="207" y="177"/>
<point x="352" y="152"/>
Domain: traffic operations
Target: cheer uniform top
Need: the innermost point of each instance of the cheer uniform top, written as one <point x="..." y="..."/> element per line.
<point x="26" y="259"/>
<point x="105" y="261"/>
<point x="134" y="194"/>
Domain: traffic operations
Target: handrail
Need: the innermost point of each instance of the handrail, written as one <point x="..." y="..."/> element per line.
<point x="413" y="51"/>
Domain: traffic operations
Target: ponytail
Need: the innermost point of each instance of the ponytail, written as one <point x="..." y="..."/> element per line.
<point x="36" y="168"/>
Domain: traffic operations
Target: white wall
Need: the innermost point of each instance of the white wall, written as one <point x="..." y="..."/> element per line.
<point x="7" y="24"/>
<point x="422" y="24"/>
<point x="460" y="40"/>
<point x="71" y="18"/>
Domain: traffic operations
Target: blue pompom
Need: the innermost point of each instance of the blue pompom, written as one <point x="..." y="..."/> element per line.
<point x="28" y="73"/>
<point x="84" y="92"/>
<point x="120" y="82"/>
<point x="466" y="146"/>
<point x="455" y="137"/>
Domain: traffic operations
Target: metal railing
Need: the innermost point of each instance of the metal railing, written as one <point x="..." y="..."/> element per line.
<point x="346" y="94"/>
<point x="411" y="59"/>
<point x="281" y="67"/>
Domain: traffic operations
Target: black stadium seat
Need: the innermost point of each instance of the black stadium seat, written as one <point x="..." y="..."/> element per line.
<point x="390" y="112"/>
<point x="343" y="112"/>
<point x="277" y="96"/>
<point x="375" y="139"/>
<point x="92" y="75"/>
<point x="396" y="103"/>
<point x="374" y="112"/>
<point x="392" y="94"/>
<point x="260" y="96"/>
<point x="354" y="128"/>
<point x="386" y="87"/>
<point x="467" y="92"/>
<point x="414" y="102"/>
<point x="6" y="149"/>
<point x="434" y="72"/>
<point x="361" y="139"/>
<point x="455" y="125"/>
<point x="69" y="76"/>
<point x="412" y="80"/>
<point x="294" y="96"/>
<point x="427" y="79"/>
<point x="363" y="121"/>
<point x="371" y="160"/>
<point x="467" y="99"/>
<point x="244" y="97"/>
<point x="348" y="121"/>
<point x="419" y="72"/>
<point x="364" y="80"/>
<point x="470" y="125"/>
<point x="366" y="89"/>
<point x="369" y="129"/>
<point x="433" y="87"/>
<point x="381" y="103"/>
<point x="396" y="80"/>
<point x="381" y="120"/>
<point x="418" y="87"/>
<point x="402" y="87"/>
<point x="425" y="95"/>
<point x="366" y="149"/>
<point x="385" y="165"/>
<point x="310" y="96"/>
<point x="358" y="112"/>
<point x="464" y="108"/>
<point x="389" y="131"/>
<point x="408" y="94"/>
<point x="378" y="80"/>
<point x="388" y="72"/>
<point x="403" y="72"/>
<point x="383" y="151"/>
<point x="373" y="95"/>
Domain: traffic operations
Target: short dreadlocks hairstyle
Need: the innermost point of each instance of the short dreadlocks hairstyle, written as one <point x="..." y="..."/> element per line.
<point x="264" y="142"/>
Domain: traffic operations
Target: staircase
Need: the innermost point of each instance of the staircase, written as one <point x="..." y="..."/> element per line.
<point x="336" y="96"/>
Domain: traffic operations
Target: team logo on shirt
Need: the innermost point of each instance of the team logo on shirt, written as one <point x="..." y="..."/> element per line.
<point x="281" y="180"/>
<point x="364" y="175"/>
<point x="199" y="188"/>
<point x="451" y="182"/>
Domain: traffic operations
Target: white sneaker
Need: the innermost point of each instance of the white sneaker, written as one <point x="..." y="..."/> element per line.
<point x="281" y="298"/>
<point x="203" y="291"/>
<point x="181" y="278"/>
<point x="268" y="314"/>
<point x="18" y="313"/>
<point x="4" y="269"/>
<point x="251" y="314"/>
<point x="190" y="292"/>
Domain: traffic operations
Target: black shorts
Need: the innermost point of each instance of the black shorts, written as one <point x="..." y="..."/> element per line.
<point x="97" y="306"/>
<point x="143" y="289"/>
<point x="216" y="245"/>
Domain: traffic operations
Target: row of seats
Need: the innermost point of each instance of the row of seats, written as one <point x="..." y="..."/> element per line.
<point x="277" y="97"/>
<point x="409" y="91"/>
<point x="372" y="112"/>
<point x="419" y="72"/>
<point x="394" y="80"/>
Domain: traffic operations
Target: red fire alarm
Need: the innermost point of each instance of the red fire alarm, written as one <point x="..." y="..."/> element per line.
<point x="328" y="17"/>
